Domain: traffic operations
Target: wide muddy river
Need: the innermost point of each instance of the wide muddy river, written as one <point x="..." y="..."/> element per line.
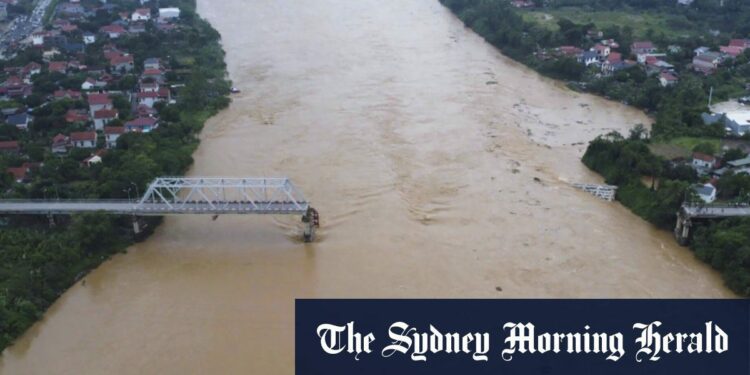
<point x="440" y="169"/>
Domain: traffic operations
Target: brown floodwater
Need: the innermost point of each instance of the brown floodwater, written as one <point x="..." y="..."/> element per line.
<point x="440" y="168"/>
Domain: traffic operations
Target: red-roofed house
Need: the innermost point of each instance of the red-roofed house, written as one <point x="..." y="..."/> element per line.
<point x="31" y="69"/>
<point x="88" y="84"/>
<point x="141" y="14"/>
<point x="69" y="28"/>
<point x="103" y="117"/>
<point x="111" y="52"/>
<point x="96" y="158"/>
<point x="113" y="31"/>
<point x="145" y="111"/>
<point x="111" y="134"/>
<point x="58" y="67"/>
<point x="643" y="47"/>
<point x="121" y="63"/>
<point x="149" y="87"/>
<point x="15" y="87"/>
<point x="601" y="50"/>
<point x="707" y="63"/>
<point x="22" y="174"/>
<point x="67" y="94"/>
<point x="733" y="51"/>
<point x="83" y="139"/>
<point x="703" y="161"/>
<point x="98" y="102"/>
<point x="667" y="79"/>
<point x="60" y="144"/>
<point x="153" y="74"/>
<point x="10" y="147"/>
<point x="743" y="43"/>
<point x="570" y="51"/>
<point x="614" y="57"/>
<point x="76" y="116"/>
<point x="164" y="94"/>
<point x="147" y="98"/>
<point x="613" y="60"/>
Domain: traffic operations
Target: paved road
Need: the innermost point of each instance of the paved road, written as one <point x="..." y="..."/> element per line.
<point x="23" y="26"/>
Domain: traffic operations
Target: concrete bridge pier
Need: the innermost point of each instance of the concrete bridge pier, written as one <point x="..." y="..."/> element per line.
<point x="311" y="219"/>
<point x="136" y="226"/>
<point x="682" y="229"/>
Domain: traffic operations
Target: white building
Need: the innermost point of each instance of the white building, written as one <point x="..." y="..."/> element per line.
<point x="703" y="162"/>
<point x="167" y="13"/>
<point x="706" y="193"/>
<point x="83" y="139"/>
<point x="141" y="14"/>
<point x="111" y="134"/>
<point x="738" y="122"/>
<point x="89" y="38"/>
<point x="37" y="39"/>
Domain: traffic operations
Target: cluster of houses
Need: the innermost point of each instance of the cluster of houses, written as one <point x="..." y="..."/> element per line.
<point x="714" y="168"/>
<point x="604" y="55"/>
<point x="101" y="124"/>
<point x="707" y="62"/>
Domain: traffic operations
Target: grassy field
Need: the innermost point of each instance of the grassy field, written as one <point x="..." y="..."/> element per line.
<point x="681" y="147"/>
<point x="643" y="24"/>
<point x="690" y="142"/>
<point x="669" y="152"/>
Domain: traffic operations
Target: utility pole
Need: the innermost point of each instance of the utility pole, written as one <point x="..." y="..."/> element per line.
<point x="710" y="97"/>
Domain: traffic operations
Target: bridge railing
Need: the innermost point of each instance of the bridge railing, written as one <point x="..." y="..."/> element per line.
<point x="714" y="205"/>
<point x="36" y="200"/>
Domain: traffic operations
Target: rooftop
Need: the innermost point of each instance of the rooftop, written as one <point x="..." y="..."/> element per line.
<point x="740" y="162"/>
<point x="704" y="157"/>
<point x="83" y="136"/>
<point x="9" y="145"/>
<point x="99" y="99"/>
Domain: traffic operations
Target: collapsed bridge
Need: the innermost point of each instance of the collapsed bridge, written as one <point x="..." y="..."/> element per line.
<point x="692" y="211"/>
<point x="189" y="196"/>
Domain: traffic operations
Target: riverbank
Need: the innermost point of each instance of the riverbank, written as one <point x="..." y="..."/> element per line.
<point x="39" y="263"/>
<point x="664" y="79"/>
<point x="625" y="162"/>
<point x="721" y="243"/>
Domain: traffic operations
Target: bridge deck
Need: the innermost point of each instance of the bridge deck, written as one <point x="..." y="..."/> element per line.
<point x="606" y="192"/>
<point x="715" y="211"/>
<point x="37" y="207"/>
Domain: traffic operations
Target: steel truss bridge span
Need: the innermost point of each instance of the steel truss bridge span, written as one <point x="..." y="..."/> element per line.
<point x="189" y="196"/>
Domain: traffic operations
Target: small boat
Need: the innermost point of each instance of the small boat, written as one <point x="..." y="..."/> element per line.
<point x="235" y="90"/>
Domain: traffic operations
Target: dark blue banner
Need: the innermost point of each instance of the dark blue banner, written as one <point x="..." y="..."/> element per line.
<point x="523" y="337"/>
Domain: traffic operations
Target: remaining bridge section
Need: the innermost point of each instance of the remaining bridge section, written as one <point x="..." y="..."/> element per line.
<point x="715" y="211"/>
<point x="689" y="212"/>
<point x="222" y="196"/>
<point x="198" y="195"/>
<point x="606" y="192"/>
